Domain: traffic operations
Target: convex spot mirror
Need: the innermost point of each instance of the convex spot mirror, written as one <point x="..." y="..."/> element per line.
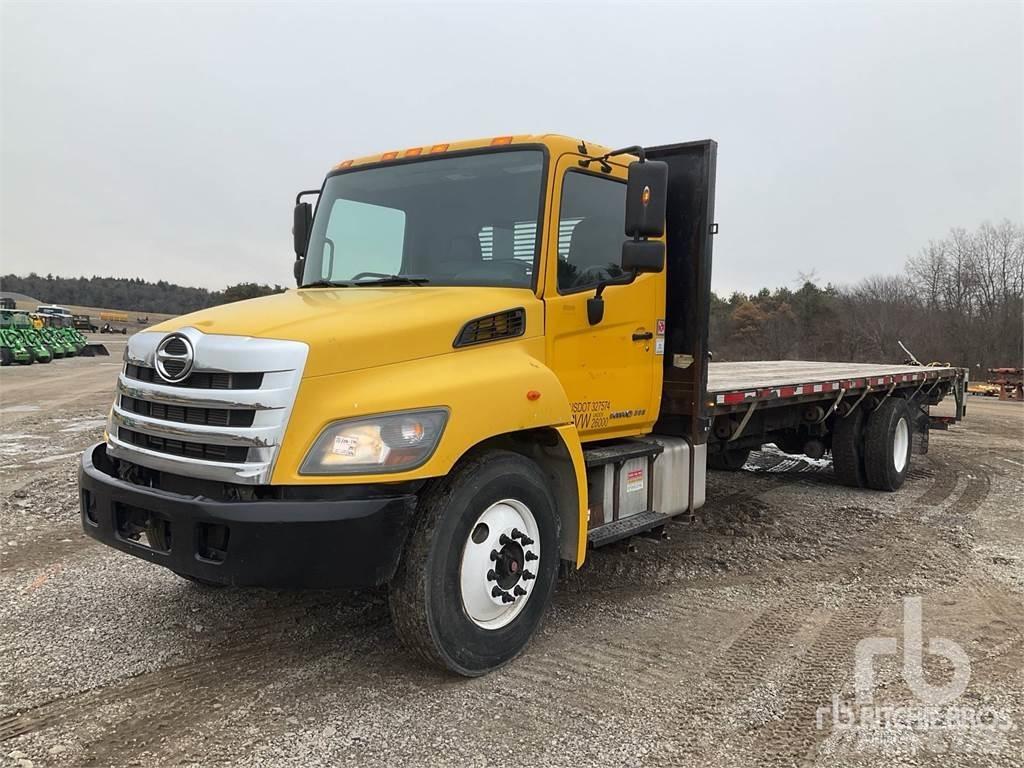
<point x="646" y="199"/>
<point x="640" y="256"/>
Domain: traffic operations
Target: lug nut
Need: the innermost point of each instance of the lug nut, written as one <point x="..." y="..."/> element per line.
<point x="495" y="554"/>
<point x="527" y="541"/>
<point x="519" y="591"/>
<point x="497" y="592"/>
<point x="527" y="576"/>
<point x="517" y="534"/>
<point x="492" y="576"/>
<point x="530" y="556"/>
<point x="507" y="598"/>
<point x="503" y="540"/>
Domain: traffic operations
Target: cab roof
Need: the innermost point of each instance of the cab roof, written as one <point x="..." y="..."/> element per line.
<point x="557" y="145"/>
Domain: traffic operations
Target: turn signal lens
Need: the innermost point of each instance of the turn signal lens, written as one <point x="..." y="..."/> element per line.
<point x="414" y="152"/>
<point x="439" y="148"/>
<point x="389" y="156"/>
<point x="501" y="140"/>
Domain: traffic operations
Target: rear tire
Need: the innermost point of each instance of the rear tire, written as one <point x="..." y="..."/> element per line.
<point x="888" y="440"/>
<point x="467" y="541"/>
<point x="848" y="449"/>
<point x="729" y="461"/>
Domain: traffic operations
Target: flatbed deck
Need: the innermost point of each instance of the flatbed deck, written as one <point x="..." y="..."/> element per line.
<point x="732" y="384"/>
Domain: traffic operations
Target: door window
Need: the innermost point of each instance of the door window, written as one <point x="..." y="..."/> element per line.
<point x="590" y="231"/>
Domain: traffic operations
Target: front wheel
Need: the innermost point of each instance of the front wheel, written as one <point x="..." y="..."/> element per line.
<point x="480" y="565"/>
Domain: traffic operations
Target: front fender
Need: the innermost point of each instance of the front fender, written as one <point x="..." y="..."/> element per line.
<point x="485" y="388"/>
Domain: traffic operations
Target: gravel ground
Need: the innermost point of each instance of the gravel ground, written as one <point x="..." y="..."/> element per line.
<point x="715" y="646"/>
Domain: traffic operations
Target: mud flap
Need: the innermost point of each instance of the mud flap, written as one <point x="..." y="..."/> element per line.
<point x="93" y="350"/>
<point x="922" y="422"/>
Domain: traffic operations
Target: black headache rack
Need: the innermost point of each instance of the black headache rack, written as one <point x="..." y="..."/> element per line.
<point x="689" y="229"/>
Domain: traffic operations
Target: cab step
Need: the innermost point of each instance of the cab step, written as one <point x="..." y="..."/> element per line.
<point x="626" y="527"/>
<point x="619" y="452"/>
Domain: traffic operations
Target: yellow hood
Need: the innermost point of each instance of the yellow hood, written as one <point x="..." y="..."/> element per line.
<point x="354" y="328"/>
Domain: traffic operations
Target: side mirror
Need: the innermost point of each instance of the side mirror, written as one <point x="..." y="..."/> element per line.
<point x="302" y="225"/>
<point x="639" y="256"/>
<point x="298" y="268"/>
<point x="646" y="199"/>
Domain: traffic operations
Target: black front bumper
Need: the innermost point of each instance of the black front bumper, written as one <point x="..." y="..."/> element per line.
<point x="268" y="542"/>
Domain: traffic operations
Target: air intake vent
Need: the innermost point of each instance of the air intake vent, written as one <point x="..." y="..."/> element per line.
<point x="500" y="325"/>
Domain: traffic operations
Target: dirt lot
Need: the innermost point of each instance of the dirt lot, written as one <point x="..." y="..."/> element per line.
<point x="714" y="647"/>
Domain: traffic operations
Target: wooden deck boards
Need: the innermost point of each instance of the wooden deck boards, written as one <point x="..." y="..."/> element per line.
<point x="729" y="377"/>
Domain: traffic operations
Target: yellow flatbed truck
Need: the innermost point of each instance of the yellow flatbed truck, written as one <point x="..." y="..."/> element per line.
<point x="496" y="357"/>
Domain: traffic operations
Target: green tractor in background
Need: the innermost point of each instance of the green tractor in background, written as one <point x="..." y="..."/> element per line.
<point x="12" y="346"/>
<point x="56" y="343"/>
<point x="22" y="324"/>
<point x="64" y="327"/>
<point x="56" y="335"/>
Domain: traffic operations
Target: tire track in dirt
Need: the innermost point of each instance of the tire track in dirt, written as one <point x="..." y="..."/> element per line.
<point x="51" y="548"/>
<point x="944" y="482"/>
<point x="175" y="688"/>
<point x="605" y="676"/>
<point x="813" y="672"/>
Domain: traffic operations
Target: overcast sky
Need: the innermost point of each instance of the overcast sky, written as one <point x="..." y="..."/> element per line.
<point x="168" y="140"/>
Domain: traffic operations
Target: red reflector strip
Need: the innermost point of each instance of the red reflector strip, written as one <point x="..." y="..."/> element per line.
<point x="731" y="398"/>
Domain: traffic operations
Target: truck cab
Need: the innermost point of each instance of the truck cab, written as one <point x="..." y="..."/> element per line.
<point x="495" y="357"/>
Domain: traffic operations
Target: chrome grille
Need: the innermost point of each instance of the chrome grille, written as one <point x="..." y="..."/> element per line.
<point x="224" y="421"/>
<point x="198" y="379"/>
<point x="214" y="417"/>
<point x="184" y="447"/>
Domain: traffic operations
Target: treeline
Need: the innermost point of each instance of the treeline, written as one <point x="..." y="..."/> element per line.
<point x="129" y="293"/>
<point x="960" y="300"/>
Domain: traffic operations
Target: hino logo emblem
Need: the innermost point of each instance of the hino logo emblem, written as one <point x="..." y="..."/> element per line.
<point x="174" y="357"/>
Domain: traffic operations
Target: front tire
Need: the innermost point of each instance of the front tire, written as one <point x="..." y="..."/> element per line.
<point x="480" y="565"/>
<point x="887" y="443"/>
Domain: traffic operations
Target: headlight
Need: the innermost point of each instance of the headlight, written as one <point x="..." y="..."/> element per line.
<point x="389" y="443"/>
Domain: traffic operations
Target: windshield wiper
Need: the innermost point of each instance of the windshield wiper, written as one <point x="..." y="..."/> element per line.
<point x="394" y="280"/>
<point x="328" y="284"/>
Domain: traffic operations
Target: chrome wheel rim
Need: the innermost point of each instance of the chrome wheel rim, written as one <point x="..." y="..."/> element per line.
<point x="499" y="566"/>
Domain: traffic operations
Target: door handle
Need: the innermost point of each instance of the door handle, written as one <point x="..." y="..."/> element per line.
<point x="645" y="336"/>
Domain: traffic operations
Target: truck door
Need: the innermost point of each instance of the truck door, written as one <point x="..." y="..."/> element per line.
<point x="611" y="371"/>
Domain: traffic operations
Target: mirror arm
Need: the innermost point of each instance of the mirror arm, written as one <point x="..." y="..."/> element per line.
<point x="595" y="304"/>
<point x="303" y="193"/>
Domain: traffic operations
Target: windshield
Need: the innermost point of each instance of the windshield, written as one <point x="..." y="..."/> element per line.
<point x="469" y="220"/>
